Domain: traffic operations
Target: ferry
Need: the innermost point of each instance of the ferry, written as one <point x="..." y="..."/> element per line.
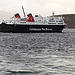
<point x="30" y="24"/>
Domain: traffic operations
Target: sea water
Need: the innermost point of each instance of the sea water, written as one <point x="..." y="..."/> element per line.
<point x="37" y="53"/>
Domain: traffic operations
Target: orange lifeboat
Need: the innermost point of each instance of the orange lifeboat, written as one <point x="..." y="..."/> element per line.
<point x="30" y="18"/>
<point x="17" y="16"/>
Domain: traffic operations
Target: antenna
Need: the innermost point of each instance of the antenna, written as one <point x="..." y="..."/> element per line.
<point x="53" y="14"/>
<point x="23" y="11"/>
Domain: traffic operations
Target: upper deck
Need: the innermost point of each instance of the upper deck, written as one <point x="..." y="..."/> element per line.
<point x="38" y="20"/>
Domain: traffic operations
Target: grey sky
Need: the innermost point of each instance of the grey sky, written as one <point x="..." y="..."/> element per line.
<point x="43" y="7"/>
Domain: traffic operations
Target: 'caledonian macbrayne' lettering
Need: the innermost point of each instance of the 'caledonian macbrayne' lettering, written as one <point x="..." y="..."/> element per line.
<point x="40" y="29"/>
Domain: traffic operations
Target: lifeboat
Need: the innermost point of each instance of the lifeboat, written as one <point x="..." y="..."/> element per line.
<point x="30" y="18"/>
<point x="17" y="15"/>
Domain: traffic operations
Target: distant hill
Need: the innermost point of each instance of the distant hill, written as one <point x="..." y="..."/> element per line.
<point x="69" y="19"/>
<point x="4" y="15"/>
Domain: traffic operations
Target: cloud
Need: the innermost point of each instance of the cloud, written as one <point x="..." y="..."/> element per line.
<point x="44" y="7"/>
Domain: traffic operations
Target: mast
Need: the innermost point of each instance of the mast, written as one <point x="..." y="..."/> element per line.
<point x="23" y="11"/>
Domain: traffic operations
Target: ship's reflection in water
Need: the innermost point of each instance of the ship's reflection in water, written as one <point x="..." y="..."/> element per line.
<point x="37" y="53"/>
